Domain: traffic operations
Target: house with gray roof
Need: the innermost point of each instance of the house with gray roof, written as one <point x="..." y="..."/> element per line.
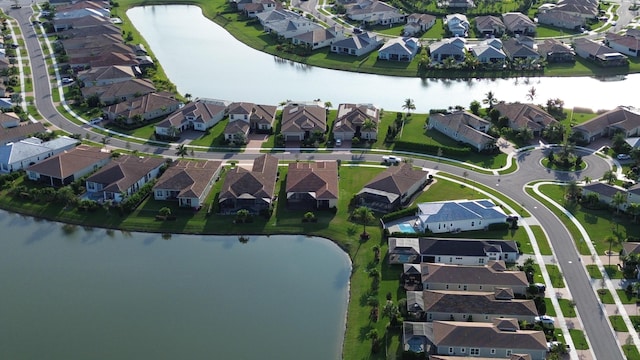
<point x="525" y="116"/>
<point x="19" y="155"/>
<point x="454" y="48"/>
<point x="587" y="9"/>
<point x="490" y="25"/>
<point x="275" y="15"/>
<point x="418" y="23"/>
<point x="489" y="52"/>
<point x="374" y="12"/>
<point x="357" y="45"/>
<point x="458" y="215"/>
<point x="464" y="127"/>
<point x="558" y="18"/>
<point x="626" y="44"/>
<point x="259" y="117"/>
<point x="556" y="51"/>
<point x="123" y="177"/>
<point x="356" y="120"/>
<point x="253" y="190"/>
<point x="433" y="250"/>
<point x="624" y="119"/>
<point x="106" y="75"/>
<point x="521" y="47"/>
<point x="291" y="27"/>
<point x="457" y="25"/>
<point x="143" y="108"/>
<point x="66" y="167"/>
<point x="399" y="49"/>
<point x="319" y="38"/>
<point x="479" y="306"/>
<point x="188" y="182"/>
<point x="518" y="23"/>
<point x="120" y="91"/>
<point x="392" y="188"/>
<point x="605" y="192"/>
<point x="500" y="339"/>
<point x="300" y="121"/>
<point x="599" y="53"/>
<point x="199" y="115"/>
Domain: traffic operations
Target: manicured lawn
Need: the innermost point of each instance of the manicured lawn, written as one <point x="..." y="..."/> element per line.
<point x="568" y="308"/>
<point x="618" y="324"/>
<point x="613" y="272"/>
<point x="436" y="32"/>
<point x="556" y="277"/>
<point x="214" y="137"/>
<point x="631" y="351"/>
<point x="606" y="297"/>
<point x="556" y="166"/>
<point x="551" y="311"/>
<point x="579" y="339"/>
<point x="145" y="132"/>
<point x="545" y="31"/>
<point x="594" y="272"/>
<point x="541" y="239"/>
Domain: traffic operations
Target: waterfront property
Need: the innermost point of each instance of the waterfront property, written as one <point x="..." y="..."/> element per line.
<point x="599" y="53"/>
<point x="464" y="127"/>
<point x="458" y="215"/>
<point x="252" y="190"/>
<point x="188" y="182"/>
<point x="489" y="52"/>
<point x="526" y="116"/>
<point x="451" y="251"/>
<point x="258" y="117"/>
<point x="19" y="155"/>
<point x="626" y="44"/>
<point x="374" y="12"/>
<point x="356" y="121"/>
<point x="68" y="166"/>
<point x="143" y="108"/>
<point x="556" y="51"/>
<point x="119" y="91"/>
<point x="301" y="121"/>
<point x="199" y="115"/>
<point x="312" y="185"/>
<point x="357" y="45"/>
<point x="319" y="38"/>
<point x="399" y="49"/>
<point x="454" y="48"/>
<point x="106" y="75"/>
<point x="623" y="119"/>
<point x="392" y="188"/>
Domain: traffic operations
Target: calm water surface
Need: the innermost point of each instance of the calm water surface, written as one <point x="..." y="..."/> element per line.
<point x="89" y="294"/>
<point x="203" y="59"/>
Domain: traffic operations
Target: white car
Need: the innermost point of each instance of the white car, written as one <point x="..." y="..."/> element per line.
<point x="545" y="320"/>
<point x="338" y="142"/>
<point x="623" y="156"/>
<point x="391" y="159"/>
<point x="66" y="80"/>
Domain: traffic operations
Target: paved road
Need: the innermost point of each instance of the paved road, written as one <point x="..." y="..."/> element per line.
<point x="594" y="320"/>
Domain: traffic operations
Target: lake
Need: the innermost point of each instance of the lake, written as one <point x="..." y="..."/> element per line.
<point x="203" y="59"/>
<point x="75" y="293"/>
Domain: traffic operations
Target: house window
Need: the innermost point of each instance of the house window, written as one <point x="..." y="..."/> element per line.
<point x="446" y="287"/>
<point x="493" y="351"/>
<point x="450" y="259"/>
<point x="463" y="350"/>
<point x="450" y="350"/>
<point x="464" y="316"/>
<point x="509" y="351"/>
<point x="474" y="352"/>
<point x="426" y="286"/>
<point x="472" y="223"/>
<point x="486" y="317"/>
<point x="481" y="261"/>
<point x="506" y="256"/>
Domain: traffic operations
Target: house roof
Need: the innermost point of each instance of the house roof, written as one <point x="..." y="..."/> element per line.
<point x="628" y="41"/>
<point x="90" y="31"/>
<point x="464" y="124"/>
<point x="124" y="171"/>
<point x="259" y="183"/>
<point x="525" y="115"/>
<point x="448" y="46"/>
<point x="402" y="46"/>
<point x="622" y="117"/>
<point x="257" y="113"/>
<point x="486" y="335"/>
<point x="512" y="357"/>
<point x="395" y="181"/>
<point x="359" y="41"/>
<point x="237" y="127"/>
<point x="201" y="111"/>
<point x="554" y="46"/>
<point x="100" y="40"/>
<point x="369" y="7"/>
<point x="489" y="22"/>
<point x="457" y="210"/>
<point x="28" y="148"/>
<point x="518" y="48"/>
<point x="421" y="18"/>
<point x="472" y="302"/>
<point x="515" y="21"/>
<point x="142" y="105"/>
<point x="319" y="178"/>
<point x="105" y="73"/>
<point x="557" y="15"/>
<point x="300" y="118"/>
<point x="602" y="189"/>
<point x="351" y="116"/>
<point x="20" y="132"/>
<point x="9" y="119"/>
<point x="315" y="36"/>
<point x="69" y="162"/>
<point x="465" y="247"/>
<point x="189" y="178"/>
<point x="120" y="89"/>
<point x="484" y="50"/>
<point x="591" y="47"/>
<point x="630" y="247"/>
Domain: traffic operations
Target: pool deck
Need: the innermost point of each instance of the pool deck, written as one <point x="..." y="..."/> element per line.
<point x="398" y="225"/>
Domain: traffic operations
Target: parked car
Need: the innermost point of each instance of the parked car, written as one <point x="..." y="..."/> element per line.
<point x="391" y="159"/>
<point x="66" y="80"/>
<point x="545" y="320"/>
<point x="541" y="287"/>
<point x="623" y="156"/>
<point x="338" y="142"/>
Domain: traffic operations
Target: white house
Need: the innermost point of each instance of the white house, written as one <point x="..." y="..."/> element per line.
<point x="399" y="49"/>
<point x="457" y="24"/>
<point x="458" y="215"/>
<point x="467" y="252"/>
<point x="21" y="154"/>
<point x="199" y="115"/>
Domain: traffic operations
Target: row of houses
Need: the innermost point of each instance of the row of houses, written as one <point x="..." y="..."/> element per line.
<point x="606" y="193"/>
<point x="13" y="130"/>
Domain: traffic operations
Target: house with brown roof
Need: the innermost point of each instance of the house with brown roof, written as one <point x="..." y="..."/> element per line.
<point x="493" y="276"/>
<point x="418" y="23"/>
<point x="236" y="132"/>
<point x="464" y="127"/>
<point x="356" y="120"/>
<point x="319" y="38"/>
<point x="518" y="23"/>
<point x="556" y="51"/>
<point x="301" y="121"/>
<point x="20" y="132"/>
<point x="90" y="31"/>
<point x="259" y="117"/>
<point x="501" y="338"/>
<point x="80" y="22"/>
<point x="9" y="120"/>
<point x="97" y="41"/>
<point x="621" y="119"/>
<point x="480" y="306"/>
<point x="626" y="44"/>
<point x="312" y="185"/>
<point x="187" y="181"/>
<point x="599" y="53"/>
<point x="253" y="190"/>
<point x="199" y="115"/>
<point x="374" y="12"/>
<point x="120" y="91"/>
<point x="106" y="75"/>
<point x="526" y="116"/>
<point x="71" y="165"/>
<point x="123" y="177"/>
<point x="558" y="18"/>
<point x="392" y="188"/>
<point x="143" y="108"/>
<point x="490" y="25"/>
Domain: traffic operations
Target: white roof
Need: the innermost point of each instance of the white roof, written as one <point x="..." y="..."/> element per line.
<point x="28" y="148"/>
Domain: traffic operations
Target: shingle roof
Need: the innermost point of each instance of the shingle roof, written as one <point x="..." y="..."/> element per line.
<point x="395" y="181"/>
<point x="485" y="335"/>
<point x="351" y="116"/>
<point x="25" y="149"/>
<point x="142" y="105"/>
<point x="464" y="124"/>
<point x="20" y="132"/>
<point x="124" y="171"/>
<point x="628" y="41"/>
<point x="104" y="73"/>
<point x="359" y="41"/>
<point x="202" y="111"/>
<point x="621" y="117"/>
<point x="320" y="178"/>
<point x="464" y="247"/>
<point x="297" y="118"/>
<point x="120" y="89"/>
<point x="525" y="115"/>
<point x="69" y="162"/>
<point x="259" y="183"/>
<point x="602" y="189"/>
<point x="261" y="114"/>
<point x="514" y="21"/>
<point x="473" y="302"/>
<point x="472" y="275"/>
<point x="189" y="178"/>
<point x="489" y="22"/>
<point x="237" y="127"/>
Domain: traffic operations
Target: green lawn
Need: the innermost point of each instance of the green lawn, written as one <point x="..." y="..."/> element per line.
<point x="568" y="308"/>
<point x="556" y="276"/>
<point x="618" y="324"/>
<point x="541" y="239"/>
<point x="551" y="311"/>
<point x="579" y="339"/>
<point x="214" y="137"/>
<point x="606" y="297"/>
<point x="546" y="31"/>
<point x="594" y="272"/>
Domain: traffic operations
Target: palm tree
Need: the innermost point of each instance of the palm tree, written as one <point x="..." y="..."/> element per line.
<point x="187" y="96"/>
<point x="364" y="215"/>
<point x="611" y="240"/>
<point x="609" y="176"/>
<point x="618" y="200"/>
<point x="182" y="150"/>
<point x="409" y="105"/>
<point x="586" y="180"/>
<point x="572" y="191"/>
<point x="173" y="131"/>
<point x="531" y="94"/>
<point x="634" y="210"/>
<point x="490" y="99"/>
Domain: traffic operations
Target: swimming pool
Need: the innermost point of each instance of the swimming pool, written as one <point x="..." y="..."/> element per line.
<point x="406" y="228"/>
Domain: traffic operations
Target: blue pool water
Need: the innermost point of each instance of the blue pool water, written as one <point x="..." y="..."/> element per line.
<point x="406" y="228"/>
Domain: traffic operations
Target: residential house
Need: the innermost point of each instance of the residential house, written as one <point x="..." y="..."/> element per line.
<point x="123" y="177"/>
<point x="587" y="9"/>
<point x="253" y="190"/>
<point x="319" y="38"/>
<point x="500" y="339"/>
<point x="106" y="75"/>
<point x="120" y="91"/>
<point x="374" y="12"/>
<point x="253" y="8"/>
<point x="464" y="127"/>
<point x="489" y="52"/>
<point x="399" y="49"/>
<point x="199" y="115"/>
<point x="299" y="121"/>
<point x="522" y="47"/>
<point x="291" y="27"/>
<point x="518" y="23"/>
<point x="477" y="306"/>
<point x="457" y="25"/>
<point x="66" y="167"/>
<point x="558" y="18"/>
<point x="526" y="116"/>
<point x="555" y="51"/>
<point x="633" y="193"/>
<point x="490" y="277"/>
<point x="621" y="119"/>
<point x="80" y="22"/>
<point x="458" y="215"/>
<point x="356" y="45"/>
<point x="275" y="15"/>
<point x="312" y="185"/>
<point x="143" y="108"/>
<point x="450" y="251"/>
<point x="490" y="25"/>
<point x="236" y="132"/>
<point x="9" y="120"/>
<point x="356" y="121"/>
<point x="62" y="15"/>
<point x="187" y="181"/>
<point x="97" y="41"/>
<point x="625" y="44"/>
<point x="19" y="132"/>
<point x="454" y="48"/>
<point x="19" y="155"/>
<point x="259" y="117"/>
<point x="599" y="53"/>
<point x="103" y="6"/>
<point x="392" y="188"/>
<point x="605" y="192"/>
<point x="107" y="28"/>
<point x="418" y="23"/>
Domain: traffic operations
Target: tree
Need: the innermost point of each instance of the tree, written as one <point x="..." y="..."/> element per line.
<point x="182" y="150"/>
<point x="609" y="176"/>
<point x="165" y="211"/>
<point x="105" y="140"/>
<point x="618" y="200"/>
<point x="187" y="96"/>
<point x="364" y="215"/>
<point x="409" y="105"/>
<point x="634" y="210"/>
<point x="531" y="94"/>
<point x="242" y="215"/>
<point x="610" y="240"/>
<point x="490" y="99"/>
<point x="586" y="180"/>
<point x="475" y="107"/>
<point x="572" y="191"/>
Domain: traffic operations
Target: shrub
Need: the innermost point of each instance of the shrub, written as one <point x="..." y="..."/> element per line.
<point x="400" y="214"/>
<point x="498" y="226"/>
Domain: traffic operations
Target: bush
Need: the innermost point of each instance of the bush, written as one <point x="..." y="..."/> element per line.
<point x="432" y="149"/>
<point x="498" y="226"/>
<point x="400" y="214"/>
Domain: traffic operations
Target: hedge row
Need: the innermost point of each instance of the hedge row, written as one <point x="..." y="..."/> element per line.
<point x="432" y="149"/>
<point x="400" y="214"/>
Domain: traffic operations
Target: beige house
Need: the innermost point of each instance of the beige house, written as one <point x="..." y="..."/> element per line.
<point x="312" y="185"/>
<point x="356" y="120"/>
<point x="188" y="182"/>
<point x="300" y="121"/>
<point x="464" y="127"/>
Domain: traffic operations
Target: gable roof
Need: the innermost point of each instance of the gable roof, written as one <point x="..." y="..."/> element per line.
<point x="401" y="45"/>
<point x="297" y="118"/>
<point x="259" y="183"/>
<point x="421" y="18"/>
<point x="358" y="41"/>
<point x="621" y="117"/>
<point x="315" y="36"/>
<point x="20" y="132"/>
<point x="320" y="178"/>
<point x="142" y="105"/>
<point x="465" y="247"/>
<point x="124" y="171"/>
<point x="69" y="162"/>
<point x="628" y="41"/>
<point x="189" y="178"/>
<point x="471" y="302"/>
<point x="591" y="47"/>
<point x="28" y="148"/>
<point x="602" y="189"/>
<point x="201" y="111"/>
<point x="464" y="124"/>
<point x="489" y="22"/>
<point x="106" y="73"/>
<point x="120" y="89"/>
<point x="395" y="181"/>
<point x="257" y="113"/>
<point x="525" y="115"/>
<point x="514" y="21"/>
<point x="350" y="116"/>
<point x="518" y="48"/>
<point x="485" y="335"/>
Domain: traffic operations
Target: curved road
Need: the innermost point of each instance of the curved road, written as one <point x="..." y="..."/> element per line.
<point x="595" y="322"/>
